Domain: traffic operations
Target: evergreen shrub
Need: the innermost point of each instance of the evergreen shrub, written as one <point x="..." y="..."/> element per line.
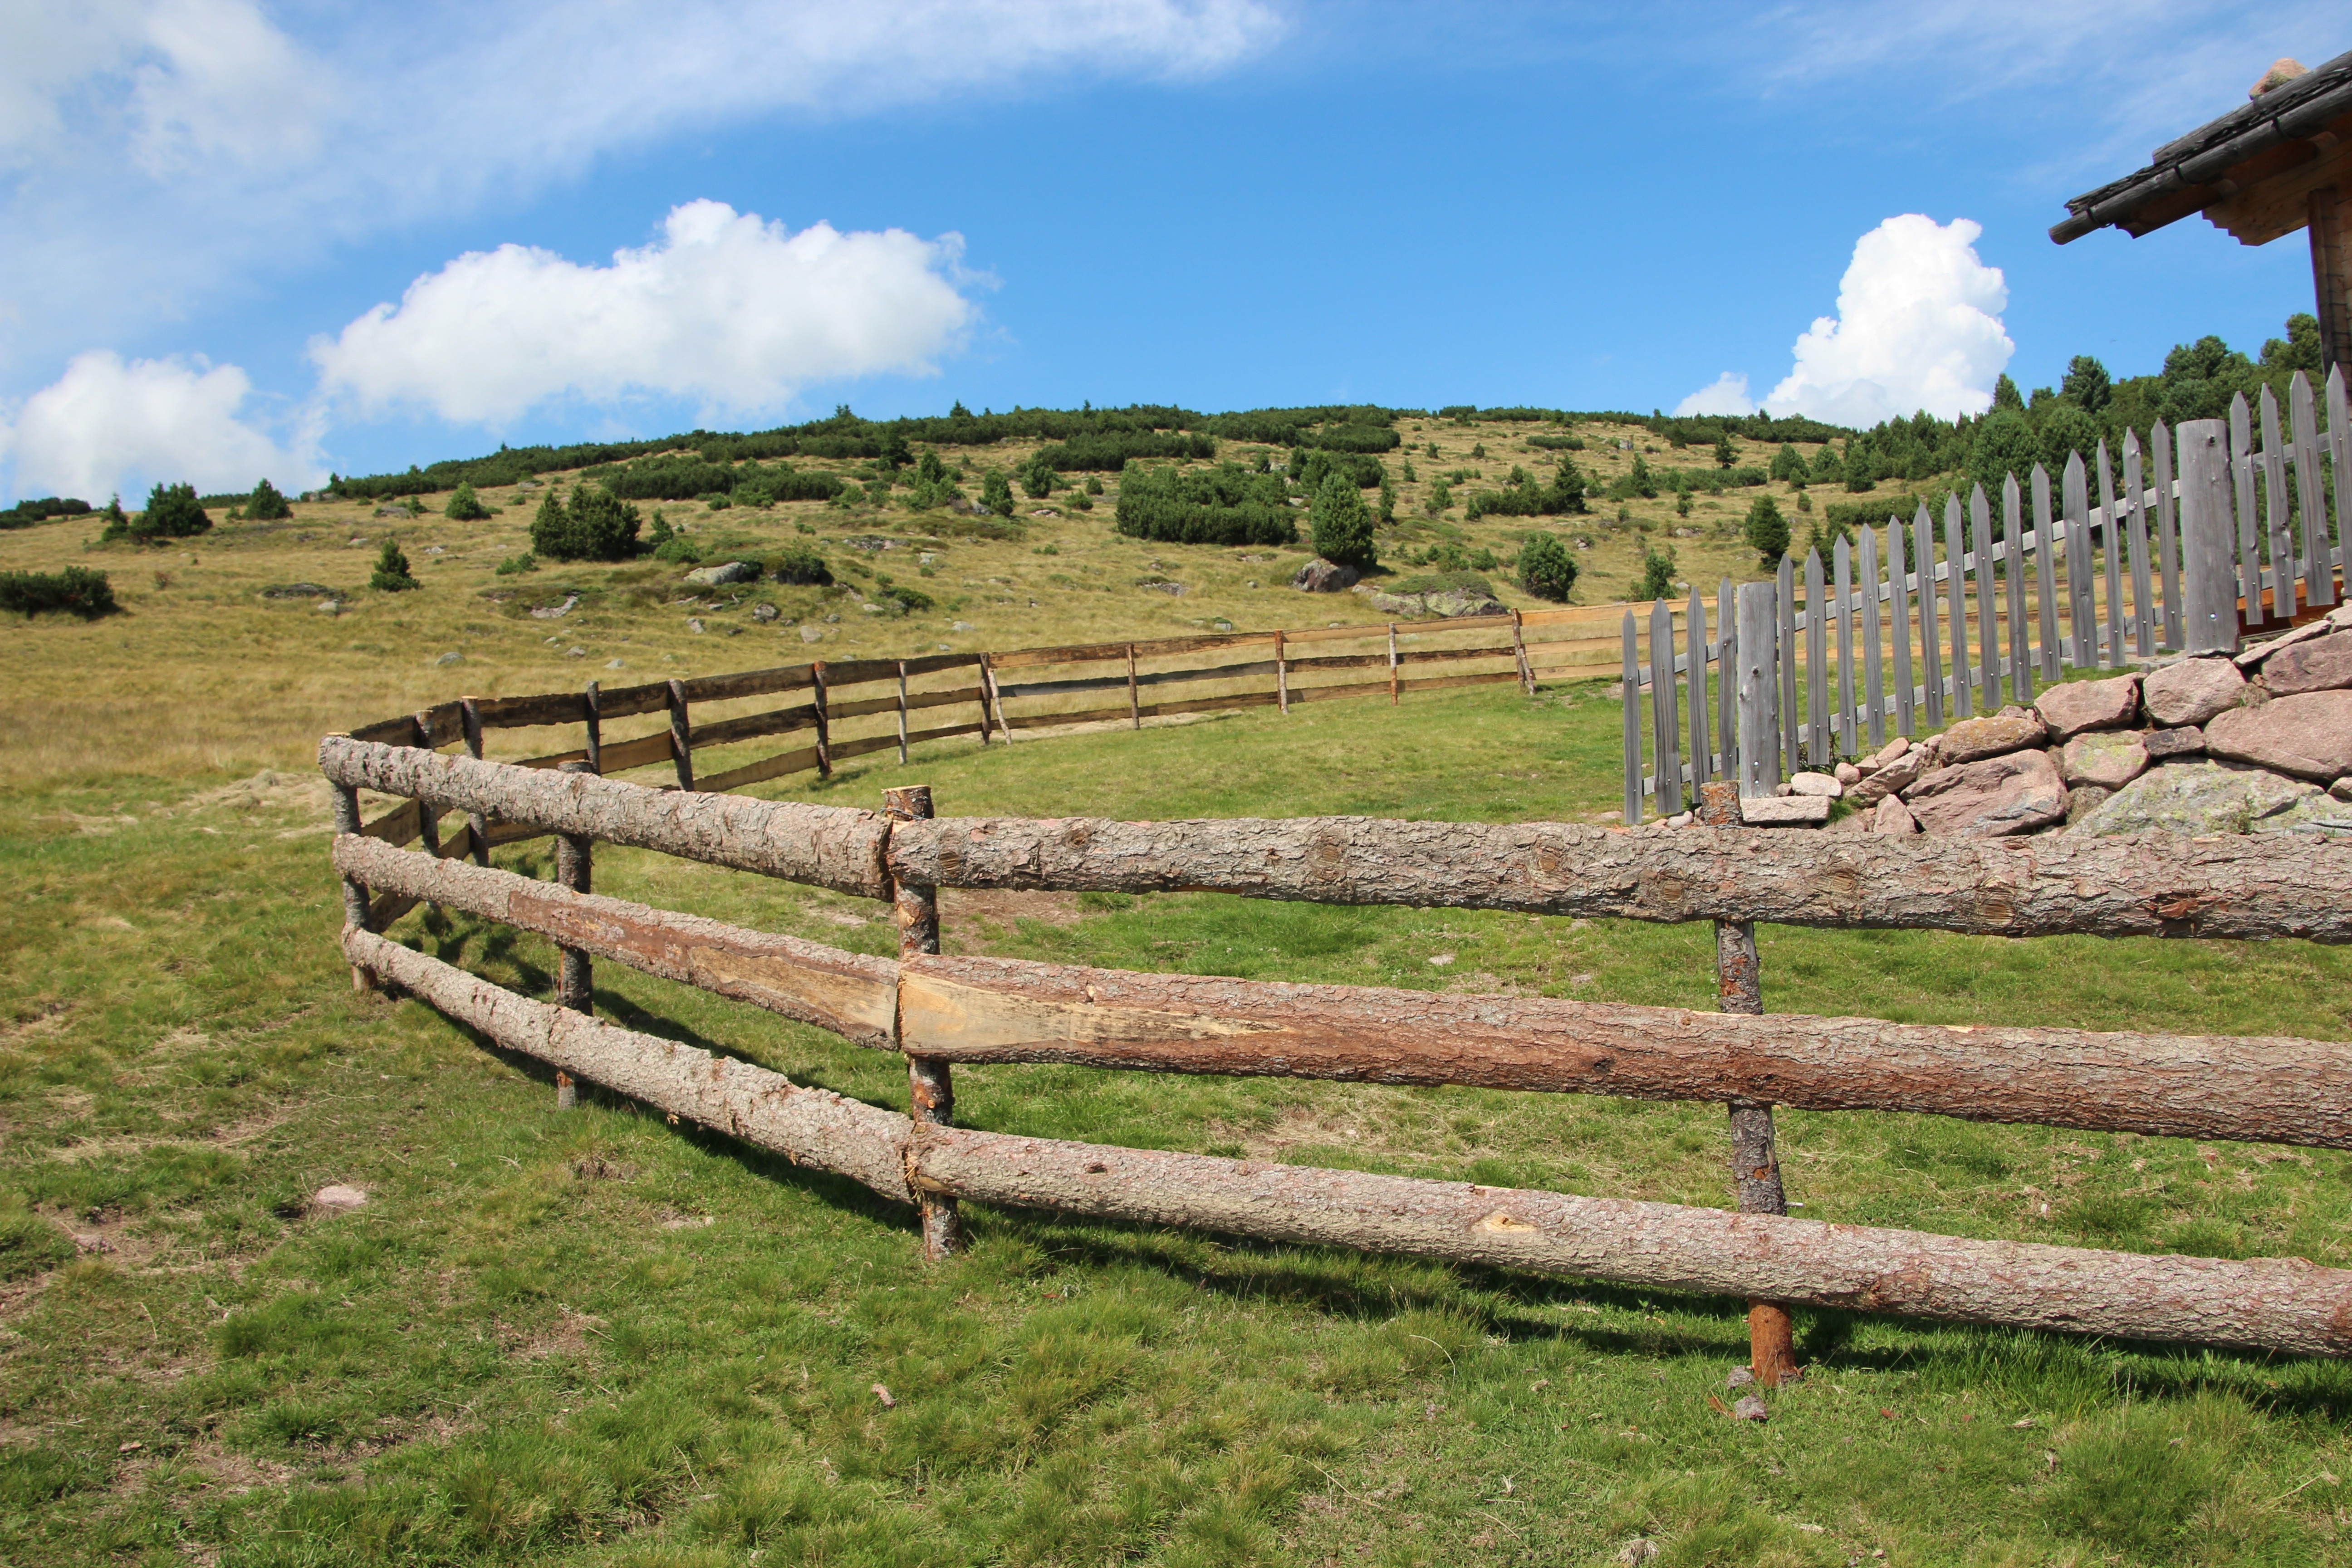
<point x="74" y="591"/>
<point x="1342" y="525"/>
<point x="267" y="504"/>
<point x="391" y="573"/>
<point x="1547" y="570"/>
<point x="1223" y="505"/>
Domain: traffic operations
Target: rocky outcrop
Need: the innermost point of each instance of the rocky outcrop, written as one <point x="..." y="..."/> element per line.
<point x="725" y="573"/>
<point x="2196" y="798"/>
<point x="1992" y="798"/>
<point x="1323" y="577"/>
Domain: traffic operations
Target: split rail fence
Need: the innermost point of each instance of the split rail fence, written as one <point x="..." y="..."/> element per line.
<point x="939" y="1010"/>
<point x="2184" y="557"/>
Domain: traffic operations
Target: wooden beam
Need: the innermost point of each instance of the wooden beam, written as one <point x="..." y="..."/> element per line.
<point x="2330" y="217"/>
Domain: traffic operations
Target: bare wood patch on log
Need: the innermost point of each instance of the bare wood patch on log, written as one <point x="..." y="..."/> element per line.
<point x="2148" y="884"/>
<point x="831" y="847"/>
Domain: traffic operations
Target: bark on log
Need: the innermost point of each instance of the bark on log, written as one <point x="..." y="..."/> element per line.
<point x="852" y="995"/>
<point x="830" y="847"/>
<point x="808" y="1126"/>
<point x="930" y="1082"/>
<point x="1005" y="1010"/>
<point x="2148" y="884"/>
<point x="2287" y="1304"/>
<point x="2278" y="1304"/>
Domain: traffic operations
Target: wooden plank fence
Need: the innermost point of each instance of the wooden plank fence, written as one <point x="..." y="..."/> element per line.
<point x="939" y="1012"/>
<point x="1973" y="609"/>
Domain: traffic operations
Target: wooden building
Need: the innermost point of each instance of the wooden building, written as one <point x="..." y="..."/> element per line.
<point x="2279" y="162"/>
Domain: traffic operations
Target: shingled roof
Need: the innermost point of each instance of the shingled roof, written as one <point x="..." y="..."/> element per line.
<point x="2286" y="126"/>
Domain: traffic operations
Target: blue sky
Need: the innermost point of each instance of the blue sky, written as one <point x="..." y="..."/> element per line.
<point x="1214" y="202"/>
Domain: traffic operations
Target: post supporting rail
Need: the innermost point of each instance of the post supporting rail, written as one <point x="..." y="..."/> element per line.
<point x="931" y="1080"/>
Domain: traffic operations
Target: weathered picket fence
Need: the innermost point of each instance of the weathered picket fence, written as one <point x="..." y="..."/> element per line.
<point x="2186" y="556"/>
<point x="938" y="1011"/>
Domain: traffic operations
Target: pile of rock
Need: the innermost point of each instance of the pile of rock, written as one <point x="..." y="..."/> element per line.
<point x="2258" y="743"/>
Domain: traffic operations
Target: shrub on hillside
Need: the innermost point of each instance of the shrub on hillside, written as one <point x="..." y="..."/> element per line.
<point x="1789" y="466"/>
<point x="914" y="600"/>
<point x="391" y="573"/>
<point x="1657" y="575"/>
<point x="1767" y="530"/>
<point x="1546" y="568"/>
<point x="1109" y="451"/>
<point x="76" y="591"/>
<point x="667" y="544"/>
<point x="597" y="525"/>
<point x="1341" y="523"/>
<point x="800" y="562"/>
<point x="465" y="506"/>
<point x="1038" y="478"/>
<point x="1223" y="505"/>
<point x="172" y="513"/>
<point x="267" y="504"/>
<point x="26" y="513"/>
<point x="996" y="492"/>
<point x="1524" y="498"/>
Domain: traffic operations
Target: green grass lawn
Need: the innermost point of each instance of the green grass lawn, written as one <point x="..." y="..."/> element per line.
<point x="595" y="1338"/>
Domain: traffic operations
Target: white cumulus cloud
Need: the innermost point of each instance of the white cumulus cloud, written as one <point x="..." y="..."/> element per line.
<point x="107" y="426"/>
<point x="725" y="309"/>
<point x="1727" y="394"/>
<point x="1918" y="326"/>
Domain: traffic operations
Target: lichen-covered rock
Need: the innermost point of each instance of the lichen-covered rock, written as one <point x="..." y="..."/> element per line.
<point x="2318" y="814"/>
<point x="2079" y="705"/>
<point x="1323" y="577"/>
<point x="2322" y="664"/>
<point x="1996" y="734"/>
<point x="2196" y="799"/>
<point x="2107" y="758"/>
<point x="723" y="574"/>
<point x="2192" y="692"/>
<point x="2189" y="740"/>
<point x="2083" y="799"/>
<point x="1991" y="798"/>
<point x="2308" y="735"/>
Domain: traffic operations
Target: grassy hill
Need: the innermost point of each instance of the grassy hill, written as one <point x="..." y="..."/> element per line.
<point x="596" y="1339"/>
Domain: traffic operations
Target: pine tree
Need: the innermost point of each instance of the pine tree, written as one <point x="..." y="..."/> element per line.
<point x="1657" y="575"/>
<point x="1726" y="454"/>
<point x="465" y="506"/>
<point x="1388" y="500"/>
<point x="551" y="528"/>
<point x="996" y="492"/>
<point x="2006" y="395"/>
<point x="1767" y="530"/>
<point x="1546" y="568"/>
<point x="1645" y="484"/>
<point x="267" y="504"/>
<point x="1038" y="478"/>
<point x="1341" y="525"/>
<point x="1788" y="465"/>
<point x="2088" y="384"/>
<point x="118" y="523"/>
<point x="391" y="574"/>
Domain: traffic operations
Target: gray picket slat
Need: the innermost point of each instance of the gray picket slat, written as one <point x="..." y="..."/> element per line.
<point x="2013" y="523"/>
<point x="1956" y="608"/>
<point x="1898" y="628"/>
<point x="1758" y="686"/>
<point x="1843" y="557"/>
<point x="1785" y="651"/>
<point x="1665" y="721"/>
<point x="1817" y="660"/>
<point x="2045" y="571"/>
<point x="2318" y="572"/>
<point x="1695" y="632"/>
<point x="1988" y="605"/>
<point x="2112" y="559"/>
<point x="2248" y="541"/>
<point x="1726" y="706"/>
<point x="2167" y="534"/>
<point x="2136" y="502"/>
<point x="2080" y="633"/>
<point x="2280" y="578"/>
<point x="2339" y="451"/>
<point x="1633" y="727"/>
<point x="1931" y="655"/>
<point x="2208" y="539"/>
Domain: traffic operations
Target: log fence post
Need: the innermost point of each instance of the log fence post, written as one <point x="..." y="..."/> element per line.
<point x="991" y="699"/>
<point x="681" y="737"/>
<point x="1392" y="668"/>
<point x="1519" y="654"/>
<point x="1281" y="673"/>
<point x="823" y="723"/>
<point x="1134" y="703"/>
<point x="592" y="707"/>
<point x="469" y="715"/>
<point x="1755" y="1166"/>
<point x="574" y="981"/>
<point x="355" y="896"/>
<point x="930" y="1083"/>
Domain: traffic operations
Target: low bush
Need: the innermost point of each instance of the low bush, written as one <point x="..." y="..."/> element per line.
<point x="1563" y="496"/>
<point x="1038" y="478"/>
<point x="667" y="544"/>
<point x="1657" y="580"/>
<point x="172" y="513"/>
<point x="996" y="492"/>
<point x="464" y="506"/>
<point x="1109" y="451"/>
<point x="799" y="562"/>
<point x="597" y="525"/>
<point x="26" y="513"/>
<point x="74" y="591"/>
<point x="1557" y="443"/>
<point x="1342" y="525"/>
<point x="1547" y="570"/>
<point x="1441" y="583"/>
<point x="1223" y="505"/>
<point x="267" y="504"/>
<point x="1311" y="465"/>
<point x="913" y="600"/>
<point x="513" y="564"/>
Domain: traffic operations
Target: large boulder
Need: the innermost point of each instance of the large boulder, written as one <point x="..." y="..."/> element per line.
<point x="1996" y="734"/>
<point x="2197" y="799"/>
<point x="2319" y="814"/>
<point x="1784" y="810"/>
<point x="1992" y="798"/>
<point x="2308" y="735"/>
<point x="723" y="574"/>
<point x="2080" y="705"/>
<point x="1323" y="577"/>
<point x="2322" y="664"/>
<point x="2109" y="759"/>
<point x="2192" y="692"/>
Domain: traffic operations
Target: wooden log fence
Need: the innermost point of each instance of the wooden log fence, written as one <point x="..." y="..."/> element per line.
<point x="2240" y="541"/>
<point x="940" y="1012"/>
